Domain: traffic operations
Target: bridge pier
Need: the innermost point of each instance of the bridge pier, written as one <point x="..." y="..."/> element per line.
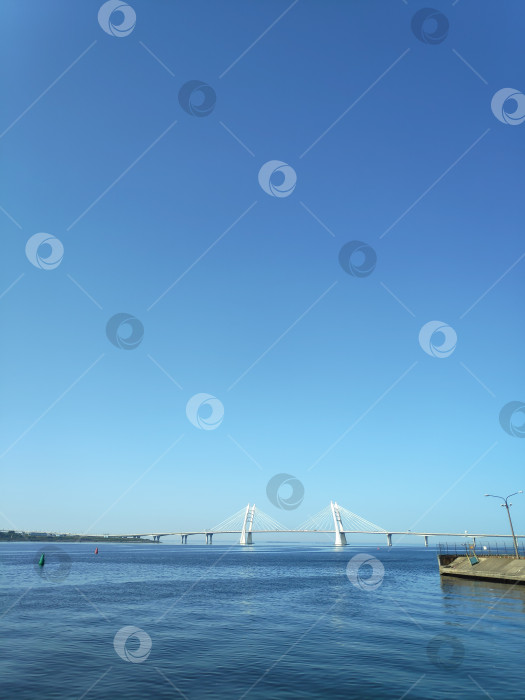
<point x="184" y="539"/>
<point x="389" y="539"/>
<point x="426" y="540"/>
<point x="209" y="536"/>
<point x="340" y="537"/>
<point x="246" y="533"/>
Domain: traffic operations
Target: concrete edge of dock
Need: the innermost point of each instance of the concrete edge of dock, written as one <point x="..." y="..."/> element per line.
<point x="502" y="569"/>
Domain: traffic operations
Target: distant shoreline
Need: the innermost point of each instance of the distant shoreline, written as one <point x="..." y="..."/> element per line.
<point x="16" y="537"/>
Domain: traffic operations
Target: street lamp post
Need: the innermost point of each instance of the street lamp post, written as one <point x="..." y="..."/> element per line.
<point x="506" y="504"/>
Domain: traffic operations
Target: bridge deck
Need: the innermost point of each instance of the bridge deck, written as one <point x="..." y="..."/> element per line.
<point x="310" y="532"/>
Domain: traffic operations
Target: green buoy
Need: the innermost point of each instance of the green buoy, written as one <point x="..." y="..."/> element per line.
<point x="42" y="560"/>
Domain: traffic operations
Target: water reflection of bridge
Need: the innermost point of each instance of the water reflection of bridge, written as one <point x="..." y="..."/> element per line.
<point x="334" y="519"/>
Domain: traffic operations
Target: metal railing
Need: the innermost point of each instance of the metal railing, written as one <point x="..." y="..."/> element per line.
<point x="481" y="549"/>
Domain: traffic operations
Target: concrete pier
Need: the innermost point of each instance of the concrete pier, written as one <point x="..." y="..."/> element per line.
<point x="503" y="569"/>
<point x="247" y="526"/>
<point x="340" y="536"/>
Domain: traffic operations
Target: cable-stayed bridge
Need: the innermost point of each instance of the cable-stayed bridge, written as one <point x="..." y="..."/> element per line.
<point x="332" y="520"/>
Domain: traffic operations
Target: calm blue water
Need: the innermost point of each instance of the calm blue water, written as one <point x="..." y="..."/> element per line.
<point x="261" y="622"/>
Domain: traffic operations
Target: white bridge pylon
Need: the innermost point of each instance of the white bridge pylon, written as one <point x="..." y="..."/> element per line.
<point x="247" y="526"/>
<point x="340" y="537"/>
<point x="248" y="520"/>
<point x="341" y="520"/>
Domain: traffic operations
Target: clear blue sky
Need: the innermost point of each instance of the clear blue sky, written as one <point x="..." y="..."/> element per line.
<point x="75" y="460"/>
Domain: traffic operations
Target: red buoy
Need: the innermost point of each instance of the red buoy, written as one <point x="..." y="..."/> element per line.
<point x="96" y="550"/>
